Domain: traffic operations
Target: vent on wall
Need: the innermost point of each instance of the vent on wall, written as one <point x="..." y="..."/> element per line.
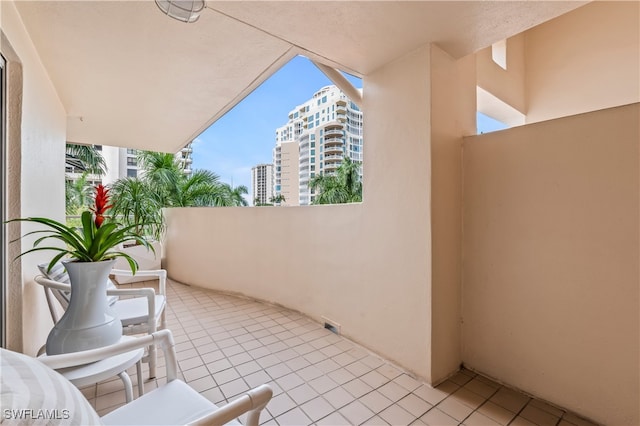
<point x="331" y="325"/>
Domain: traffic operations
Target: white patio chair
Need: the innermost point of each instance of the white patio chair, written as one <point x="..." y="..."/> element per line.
<point x="26" y="382"/>
<point x="132" y="305"/>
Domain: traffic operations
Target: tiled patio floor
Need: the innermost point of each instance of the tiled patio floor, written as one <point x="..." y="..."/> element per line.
<point x="227" y="345"/>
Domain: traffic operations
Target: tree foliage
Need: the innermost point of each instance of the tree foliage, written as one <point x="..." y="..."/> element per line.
<point x="342" y="187"/>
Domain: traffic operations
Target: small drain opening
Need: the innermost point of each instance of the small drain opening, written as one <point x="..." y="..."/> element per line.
<point x="331" y="328"/>
<point x="331" y="325"/>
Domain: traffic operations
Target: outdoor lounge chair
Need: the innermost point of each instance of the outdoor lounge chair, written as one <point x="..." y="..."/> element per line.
<point x="27" y="385"/>
<point x="132" y="305"/>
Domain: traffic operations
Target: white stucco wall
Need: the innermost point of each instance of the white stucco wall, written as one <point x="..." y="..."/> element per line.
<point x="42" y="167"/>
<point x="586" y="60"/>
<point x="551" y="261"/>
<point x="366" y="266"/>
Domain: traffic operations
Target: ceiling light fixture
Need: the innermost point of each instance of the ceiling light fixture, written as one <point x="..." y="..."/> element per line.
<point x="183" y="10"/>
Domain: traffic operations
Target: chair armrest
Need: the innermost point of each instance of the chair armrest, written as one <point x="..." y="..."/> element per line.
<point x="45" y="282"/>
<point x="147" y="292"/>
<point x="160" y="273"/>
<point x="162" y="338"/>
<point x="252" y="402"/>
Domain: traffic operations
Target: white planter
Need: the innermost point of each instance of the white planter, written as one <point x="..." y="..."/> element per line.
<point x="88" y="322"/>
<point x="146" y="259"/>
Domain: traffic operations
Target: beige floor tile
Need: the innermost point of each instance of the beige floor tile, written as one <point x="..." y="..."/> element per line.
<point x="509" y="399"/>
<point x="358" y="368"/>
<point x="375" y="401"/>
<point x="547" y="407"/>
<point x="317" y="408"/>
<point x="194" y="373"/>
<point x="289" y="381"/>
<point x="374" y="379"/>
<point x="375" y="421"/>
<point x="481" y="388"/>
<point x="248" y="368"/>
<point x="397" y="415"/>
<point x="356" y="412"/>
<point x="341" y="376"/>
<point x="435" y="417"/>
<point x="254" y="379"/>
<point x="460" y="378"/>
<point x="576" y="420"/>
<point x="455" y="408"/>
<point x="322" y="384"/>
<point x="538" y="416"/>
<point x="389" y="371"/>
<point x="309" y="373"/>
<point x="497" y="413"/>
<point x="338" y="397"/>
<point x="328" y="365"/>
<point x="478" y="419"/>
<point x="295" y="417"/>
<point x="214" y="395"/>
<point x="278" y="370"/>
<point x="414" y="405"/>
<point x="203" y="384"/>
<point x="302" y="393"/>
<point x="297" y="363"/>
<point x="393" y="391"/>
<point x="468" y="398"/>
<point x="407" y="382"/>
<point x="521" y="421"/>
<point x="357" y="388"/>
<point x="280" y="404"/>
<point x="225" y="345"/>
<point x="333" y="419"/>
<point x="233" y="388"/>
<point x="431" y="395"/>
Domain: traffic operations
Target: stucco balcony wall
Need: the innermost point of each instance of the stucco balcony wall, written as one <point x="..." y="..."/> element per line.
<point x="551" y="260"/>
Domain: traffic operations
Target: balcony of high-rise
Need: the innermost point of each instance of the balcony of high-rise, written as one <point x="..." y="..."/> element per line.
<point x="484" y="279"/>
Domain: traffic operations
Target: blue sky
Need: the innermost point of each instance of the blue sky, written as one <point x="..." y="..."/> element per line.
<point x="245" y="136"/>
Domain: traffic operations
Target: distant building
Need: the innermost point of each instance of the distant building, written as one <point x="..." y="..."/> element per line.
<point x="123" y="162"/>
<point x="314" y="141"/>
<point x="261" y="183"/>
<point x="184" y="156"/>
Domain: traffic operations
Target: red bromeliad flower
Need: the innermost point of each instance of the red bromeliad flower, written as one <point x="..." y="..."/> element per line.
<point x="101" y="204"/>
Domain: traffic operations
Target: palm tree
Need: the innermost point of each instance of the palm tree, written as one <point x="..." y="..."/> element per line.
<point x="343" y="187"/>
<point x="201" y="189"/>
<point x="236" y="195"/>
<point x="277" y="199"/>
<point x="162" y="171"/>
<point x="135" y="202"/>
<point x="77" y="193"/>
<point x="89" y="156"/>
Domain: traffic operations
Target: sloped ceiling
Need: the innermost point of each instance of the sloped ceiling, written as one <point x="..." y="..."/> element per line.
<point x="130" y="76"/>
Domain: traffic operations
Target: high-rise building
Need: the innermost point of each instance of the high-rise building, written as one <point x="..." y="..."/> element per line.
<point x="318" y="135"/>
<point x="184" y="157"/>
<point x="262" y="184"/>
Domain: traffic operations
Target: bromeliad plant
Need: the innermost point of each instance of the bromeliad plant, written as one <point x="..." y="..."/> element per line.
<point x="95" y="242"/>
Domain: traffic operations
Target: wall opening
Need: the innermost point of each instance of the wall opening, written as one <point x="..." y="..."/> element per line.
<point x="499" y="53"/>
<point x="496" y="112"/>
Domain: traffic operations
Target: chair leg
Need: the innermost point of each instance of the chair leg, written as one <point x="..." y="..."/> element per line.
<point x="128" y="388"/>
<point x="140" y="381"/>
<point x="152" y="361"/>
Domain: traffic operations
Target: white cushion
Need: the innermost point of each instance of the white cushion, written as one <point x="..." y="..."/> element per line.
<point x="175" y="403"/>
<point x="32" y="393"/>
<point x="135" y="310"/>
